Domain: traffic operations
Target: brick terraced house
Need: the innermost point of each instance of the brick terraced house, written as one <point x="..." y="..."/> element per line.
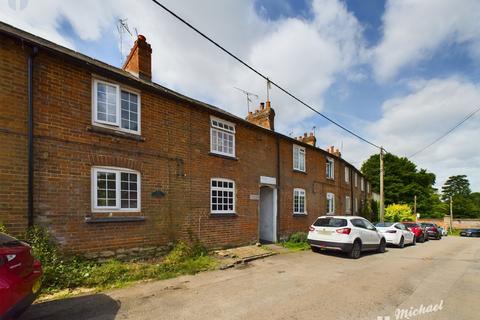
<point x="109" y="161"/>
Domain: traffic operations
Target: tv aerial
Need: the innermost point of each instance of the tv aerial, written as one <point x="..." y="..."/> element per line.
<point x="248" y="95"/>
<point x="123" y="29"/>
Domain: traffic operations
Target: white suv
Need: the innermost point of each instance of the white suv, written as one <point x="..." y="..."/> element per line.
<point x="345" y="233"/>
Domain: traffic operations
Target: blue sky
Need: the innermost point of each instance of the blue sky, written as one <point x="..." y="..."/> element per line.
<point x="398" y="72"/>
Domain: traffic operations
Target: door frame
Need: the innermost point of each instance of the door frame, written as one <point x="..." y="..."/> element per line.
<point x="269" y="182"/>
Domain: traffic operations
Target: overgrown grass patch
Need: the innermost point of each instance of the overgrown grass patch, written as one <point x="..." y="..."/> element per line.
<point x="454" y="232"/>
<point x="62" y="272"/>
<point x="297" y="242"/>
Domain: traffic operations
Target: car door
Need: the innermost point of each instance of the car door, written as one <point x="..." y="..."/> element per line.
<point x="360" y="227"/>
<point x="407" y="235"/>
<point x="372" y="233"/>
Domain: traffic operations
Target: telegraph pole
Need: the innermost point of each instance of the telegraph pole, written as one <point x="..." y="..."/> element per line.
<point x="451" y="214"/>
<point x="415" y="206"/>
<point x="382" y="199"/>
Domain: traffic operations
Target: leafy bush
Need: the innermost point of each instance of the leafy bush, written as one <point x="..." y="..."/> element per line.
<point x="298" y="237"/>
<point x="297" y="241"/>
<point x="399" y="213"/>
<point x="3" y="228"/>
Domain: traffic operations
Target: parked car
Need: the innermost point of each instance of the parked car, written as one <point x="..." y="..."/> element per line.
<point x="431" y="230"/>
<point x="470" y="233"/>
<point x="418" y="231"/>
<point x="443" y="231"/>
<point x="396" y="233"/>
<point x="348" y="234"/>
<point x="20" y="277"/>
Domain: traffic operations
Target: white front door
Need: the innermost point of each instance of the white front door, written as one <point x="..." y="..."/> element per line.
<point x="268" y="214"/>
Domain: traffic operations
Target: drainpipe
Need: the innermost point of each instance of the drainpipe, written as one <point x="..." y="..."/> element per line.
<point x="30" y="136"/>
<point x="278" y="187"/>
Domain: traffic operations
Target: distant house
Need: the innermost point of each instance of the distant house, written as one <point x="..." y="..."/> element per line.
<point x="109" y="161"/>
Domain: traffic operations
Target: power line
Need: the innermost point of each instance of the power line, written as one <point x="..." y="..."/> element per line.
<point x="446" y="133"/>
<point x="262" y="75"/>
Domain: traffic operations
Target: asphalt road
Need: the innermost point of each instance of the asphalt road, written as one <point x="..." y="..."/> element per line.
<point x="303" y="285"/>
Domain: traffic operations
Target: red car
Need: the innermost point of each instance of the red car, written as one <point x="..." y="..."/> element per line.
<point x="417" y="230"/>
<point x="20" y="277"/>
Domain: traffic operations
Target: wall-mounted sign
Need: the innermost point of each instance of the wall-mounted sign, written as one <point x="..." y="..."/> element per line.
<point x="254" y="197"/>
<point x="268" y="180"/>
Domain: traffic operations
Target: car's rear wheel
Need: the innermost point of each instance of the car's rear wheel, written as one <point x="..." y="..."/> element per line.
<point x="414" y="241"/>
<point x="382" y="246"/>
<point x="356" y="250"/>
<point x="421" y="239"/>
<point x="315" y="249"/>
<point x="401" y="244"/>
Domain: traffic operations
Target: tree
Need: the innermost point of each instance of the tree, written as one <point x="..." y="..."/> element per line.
<point x="465" y="203"/>
<point x="402" y="182"/>
<point x="399" y="213"/>
<point x="456" y="185"/>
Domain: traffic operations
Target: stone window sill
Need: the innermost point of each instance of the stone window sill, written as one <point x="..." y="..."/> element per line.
<point x="223" y="156"/>
<point x="114" y="219"/>
<point x="115" y="133"/>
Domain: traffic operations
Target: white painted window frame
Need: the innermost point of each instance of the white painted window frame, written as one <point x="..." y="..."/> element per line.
<point x="117" y="125"/>
<point x="362" y="184"/>
<point x="330" y="196"/>
<point x="213" y="212"/>
<point x="348" y="205"/>
<point x="214" y="128"/>
<point x="300" y="151"/>
<point x="118" y="206"/>
<point x="330" y="168"/>
<point x="299" y="192"/>
<point x="347" y="174"/>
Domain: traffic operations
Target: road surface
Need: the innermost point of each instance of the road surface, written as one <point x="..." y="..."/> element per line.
<point x="303" y="285"/>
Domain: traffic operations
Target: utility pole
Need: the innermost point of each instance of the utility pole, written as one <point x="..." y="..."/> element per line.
<point x="415" y="206"/>
<point x="382" y="199"/>
<point x="451" y="214"/>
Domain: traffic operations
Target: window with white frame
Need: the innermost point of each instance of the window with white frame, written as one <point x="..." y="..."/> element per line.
<point x="299" y="201"/>
<point x="330" y="203"/>
<point x="117" y="107"/>
<point x="299" y="158"/>
<point x="355" y="205"/>
<point x="362" y="184"/>
<point x="115" y="189"/>
<point x="222" y="137"/>
<point x="348" y="205"/>
<point x="356" y="180"/>
<point x="368" y="187"/>
<point x="222" y="195"/>
<point x="330" y="168"/>
<point x="347" y="174"/>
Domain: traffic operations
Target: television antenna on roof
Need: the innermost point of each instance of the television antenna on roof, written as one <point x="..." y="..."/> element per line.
<point x="122" y="28"/>
<point x="248" y="95"/>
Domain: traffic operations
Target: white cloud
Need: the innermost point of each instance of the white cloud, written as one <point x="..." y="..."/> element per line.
<point x="304" y="56"/>
<point x="410" y="122"/>
<point x="414" y="29"/>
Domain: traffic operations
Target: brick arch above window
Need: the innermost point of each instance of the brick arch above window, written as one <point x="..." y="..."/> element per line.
<point x="115" y="161"/>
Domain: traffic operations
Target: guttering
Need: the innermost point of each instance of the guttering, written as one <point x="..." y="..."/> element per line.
<point x="31" y="57"/>
<point x="278" y="187"/>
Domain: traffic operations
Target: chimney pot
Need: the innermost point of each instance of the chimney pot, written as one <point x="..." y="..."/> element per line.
<point x="262" y="105"/>
<point x="268" y="104"/>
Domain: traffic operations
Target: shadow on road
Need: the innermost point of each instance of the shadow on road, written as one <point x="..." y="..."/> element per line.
<point x="342" y="255"/>
<point x="95" y="306"/>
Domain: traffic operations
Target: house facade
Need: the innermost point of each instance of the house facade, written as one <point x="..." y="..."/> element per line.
<point x="109" y="161"/>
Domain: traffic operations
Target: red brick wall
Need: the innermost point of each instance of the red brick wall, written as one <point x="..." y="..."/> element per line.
<point x="173" y="157"/>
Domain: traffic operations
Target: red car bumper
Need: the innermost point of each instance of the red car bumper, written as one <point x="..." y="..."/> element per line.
<point x="18" y="294"/>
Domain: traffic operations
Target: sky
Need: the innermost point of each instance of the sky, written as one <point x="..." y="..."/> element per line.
<point x="398" y="72"/>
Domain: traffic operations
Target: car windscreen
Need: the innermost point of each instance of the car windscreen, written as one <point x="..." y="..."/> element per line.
<point x="384" y="224"/>
<point x="330" y="222"/>
<point x="411" y="225"/>
<point x="6" y="240"/>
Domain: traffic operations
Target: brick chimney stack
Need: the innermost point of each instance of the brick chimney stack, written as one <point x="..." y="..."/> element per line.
<point x="308" y="139"/>
<point x="264" y="116"/>
<point x="139" y="61"/>
<point x="334" y="151"/>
